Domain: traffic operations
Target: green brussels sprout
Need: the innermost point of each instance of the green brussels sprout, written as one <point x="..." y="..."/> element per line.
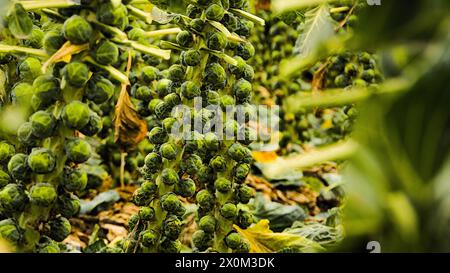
<point x="78" y="150"/>
<point x="244" y="194"/>
<point x="170" y="202"/>
<point x="202" y="240"/>
<point x="191" y="164"/>
<point x="191" y="57"/>
<point x="25" y="135"/>
<point x="76" y="115"/>
<point x="76" y="73"/>
<point x="146" y="213"/>
<point x="185" y="187"/>
<point x="192" y="11"/>
<point x="49" y="246"/>
<point x="228" y="211"/>
<point x="141" y="197"/>
<point x="223" y="185"/>
<point x="46" y="88"/>
<point x="242" y="90"/>
<point x="212" y="142"/>
<point x="30" y="69"/>
<point x="5" y="179"/>
<point x="215" y="76"/>
<point x="36" y="38"/>
<point x="193" y="142"/>
<point x="6" y="151"/>
<point x="233" y="240"/>
<point x="74" y="179"/>
<point x="169" y="123"/>
<point x="157" y="135"/>
<point x="240" y="172"/>
<point x="240" y="153"/>
<point x="169" y="246"/>
<point x="99" y="89"/>
<point x="205" y="200"/>
<point x="231" y="22"/>
<point x="359" y="83"/>
<point x="176" y="73"/>
<point x="18" y="167"/>
<point x="245" y="50"/>
<point x="153" y="161"/>
<point x="149" y="238"/>
<point x="245" y="28"/>
<point x="185" y="38"/>
<point x="172" y="227"/>
<point x="368" y="75"/>
<point x="190" y="90"/>
<point x="13" y="198"/>
<point x="68" y="205"/>
<point x="94" y="125"/>
<point x="214" y="12"/>
<point x="217" y="41"/>
<point x="149" y="187"/>
<point x="244" y="219"/>
<point x="341" y="81"/>
<point x="114" y="15"/>
<point x="237" y="4"/>
<point x="143" y="93"/>
<point x="53" y="41"/>
<point x="149" y="74"/>
<point x="218" y="163"/>
<point x="245" y="248"/>
<point x="169" y="176"/>
<point x="77" y="30"/>
<point x="136" y="34"/>
<point x="41" y="161"/>
<point x="197" y="25"/>
<point x="43" y="194"/>
<point x="107" y="53"/>
<point x="21" y="92"/>
<point x="208" y="224"/>
<point x="164" y="87"/>
<point x="133" y="221"/>
<point x="59" y="229"/>
<point x="206" y="174"/>
<point x="10" y="231"/>
<point x="351" y="69"/>
<point x="42" y="124"/>
<point x="168" y="151"/>
<point x="242" y="70"/>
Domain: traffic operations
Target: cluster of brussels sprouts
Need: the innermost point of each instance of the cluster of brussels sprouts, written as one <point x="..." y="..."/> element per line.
<point x="69" y="64"/>
<point x="197" y="166"/>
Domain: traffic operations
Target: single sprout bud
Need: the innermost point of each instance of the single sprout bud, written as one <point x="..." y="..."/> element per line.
<point x="191" y="57"/>
<point x="114" y="15"/>
<point x="240" y="153"/>
<point x="152" y="105"/>
<point x="133" y="221"/>
<point x="99" y="89"/>
<point x="233" y="240"/>
<point x="217" y="41"/>
<point x="18" y="167"/>
<point x="351" y="69"/>
<point x="245" y="50"/>
<point x="170" y="246"/>
<point x="341" y="81"/>
<point x="21" y="93"/>
<point x="141" y="197"/>
<point x="240" y="172"/>
<point x="205" y="200"/>
<point x="212" y="142"/>
<point x="149" y="74"/>
<point x="5" y="179"/>
<point x="136" y="34"/>
<point x="197" y="25"/>
<point x="42" y="124"/>
<point x="107" y="53"/>
<point x="41" y="161"/>
<point x="78" y="150"/>
<point x="13" y="198"/>
<point x="202" y="240"/>
<point x="244" y="219"/>
<point x="143" y="93"/>
<point x="215" y="12"/>
<point x="10" y="231"/>
<point x="223" y="185"/>
<point x="176" y="73"/>
<point x="74" y="179"/>
<point x="168" y="124"/>
<point x="77" y="30"/>
<point x="172" y="227"/>
<point x="147" y="213"/>
<point x="153" y="161"/>
<point x="226" y="101"/>
<point x="191" y="164"/>
<point x="215" y="76"/>
<point x="43" y="194"/>
<point x="76" y="115"/>
<point x="208" y="224"/>
<point x="6" y="151"/>
<point x="94" y="125"/>
<point x="46" y="88"/>
<point x="190" y="90"/>
<point x="245" y="193"/>
<point x="168" y="151"/>
<point x="149" y="238"/>
<point x="368" y="75"/>
<point x="53" y="41"/>
<point x="185" y="187"/>
<point x="218" y="163"/>
<point x="164" y="87"/>
<point x="169" y="176"/>
<point x="206" y="174"/>
<point x="228" y="211"/>
<point x="59" y="229"/>
<point x="68" y="205"/>
<point x="237" y="4"/>
<point x="192" y="11"/>
<point x="49" y="247"/>
<point x="30" y="69"/>
<point x="245" y="28"/>
<point x="185" y="38"/>
<point x="36" y="38"/>
<point x="76" y="73"/>
<point x="157" y="135"/>
<point x="170" y="202"/>
<point x="242" y="90"/>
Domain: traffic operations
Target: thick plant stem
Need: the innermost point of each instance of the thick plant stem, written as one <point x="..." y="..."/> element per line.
<point x="34" y="5"/>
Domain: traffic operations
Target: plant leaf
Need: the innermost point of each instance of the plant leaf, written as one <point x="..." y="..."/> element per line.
<point x="64" y="54"/>
<point x="19" y="23"/>
<point x="263" y="240"/>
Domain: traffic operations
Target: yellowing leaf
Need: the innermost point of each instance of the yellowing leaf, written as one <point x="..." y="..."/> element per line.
<point x="263" y="240"/>
<point x="264" y="157"/>
<point x="64" y="54"/>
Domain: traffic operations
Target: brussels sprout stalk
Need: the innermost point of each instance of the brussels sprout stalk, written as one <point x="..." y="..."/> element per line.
<point x="116" y="74"/>
<point x="24" y="50"/>
<point x="162" y="32"/>
<point x="36" y="5"/>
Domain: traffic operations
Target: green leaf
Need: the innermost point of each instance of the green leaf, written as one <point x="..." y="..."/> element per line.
<point x="103" y="198"/>
<point x="317" y="232"/>
<point x="19" y="23"/>
<point x="279" y="6"/>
